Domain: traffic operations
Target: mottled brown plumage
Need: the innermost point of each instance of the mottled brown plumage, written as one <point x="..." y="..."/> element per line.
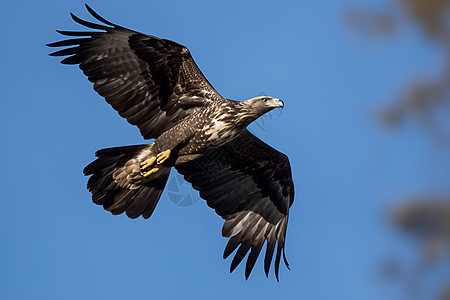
<point x="155" y="84"/>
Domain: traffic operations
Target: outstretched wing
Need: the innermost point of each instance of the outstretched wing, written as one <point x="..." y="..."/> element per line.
<point x="151" y="82"/>
<point x="249" y="184"/>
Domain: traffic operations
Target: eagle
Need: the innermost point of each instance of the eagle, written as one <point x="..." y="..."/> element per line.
<point x="155" y="84"/>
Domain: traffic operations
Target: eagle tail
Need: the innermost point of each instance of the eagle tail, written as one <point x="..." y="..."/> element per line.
<point x="117" y="183"/>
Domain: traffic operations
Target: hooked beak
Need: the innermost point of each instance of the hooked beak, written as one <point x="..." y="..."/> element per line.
<point x="280" y="103"/>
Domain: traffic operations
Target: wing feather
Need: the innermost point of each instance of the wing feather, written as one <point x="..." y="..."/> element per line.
<point x="151" y="82"/>
<point x="249" y="184"/>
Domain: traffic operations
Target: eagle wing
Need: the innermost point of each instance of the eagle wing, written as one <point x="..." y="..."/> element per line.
<point x="151" y="82"/>
<point x="249" y="184"/>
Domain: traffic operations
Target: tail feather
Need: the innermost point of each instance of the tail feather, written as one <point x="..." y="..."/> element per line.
<point x="117" y="184"/>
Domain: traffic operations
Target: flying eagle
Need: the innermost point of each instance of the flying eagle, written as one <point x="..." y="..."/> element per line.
<point x="155" y="84"/>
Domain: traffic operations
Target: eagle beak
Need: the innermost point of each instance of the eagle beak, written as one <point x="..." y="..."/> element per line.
<point x="280" y="103"/>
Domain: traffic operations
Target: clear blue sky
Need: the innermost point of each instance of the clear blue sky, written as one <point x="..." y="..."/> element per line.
<point x="56" y="244"/>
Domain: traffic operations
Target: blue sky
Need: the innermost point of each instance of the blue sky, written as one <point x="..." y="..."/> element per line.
<point x="56" y="244"/>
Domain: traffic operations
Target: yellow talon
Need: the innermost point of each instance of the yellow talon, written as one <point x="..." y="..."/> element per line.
<point x="148" y="163"/>
<point x="154" y="170"/>
<point x="162" y="157"/>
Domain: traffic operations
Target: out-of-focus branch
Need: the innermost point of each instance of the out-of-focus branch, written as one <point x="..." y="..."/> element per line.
<point x="431" y="15"/>
<point x="425" y="220"/>
<point x="428" y="221"/>
<point x="379" y="23"/>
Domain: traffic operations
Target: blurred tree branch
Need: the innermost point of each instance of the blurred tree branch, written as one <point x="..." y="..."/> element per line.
<point x="428" y="221"/>
<point x="431" y="15"/>
<point x="425" y="219"/>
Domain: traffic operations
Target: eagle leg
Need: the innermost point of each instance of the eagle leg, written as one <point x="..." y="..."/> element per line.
<point x="162" y="157"/>
<point x="148" y="173"/>
<point x="148" y="163"/>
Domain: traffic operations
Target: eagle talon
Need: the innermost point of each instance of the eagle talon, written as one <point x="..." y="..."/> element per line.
<point x="162" y="157"/>
<point x="149" y="166"/>
<point x="148" y="173"/>
<point x="147" y="163"/>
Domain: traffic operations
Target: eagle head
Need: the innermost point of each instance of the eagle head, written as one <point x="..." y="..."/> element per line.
<point x="263" y="104"/>
<point x="252" y="109"/>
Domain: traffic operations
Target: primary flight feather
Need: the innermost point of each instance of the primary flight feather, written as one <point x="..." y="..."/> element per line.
<point x="155" y="84"/>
